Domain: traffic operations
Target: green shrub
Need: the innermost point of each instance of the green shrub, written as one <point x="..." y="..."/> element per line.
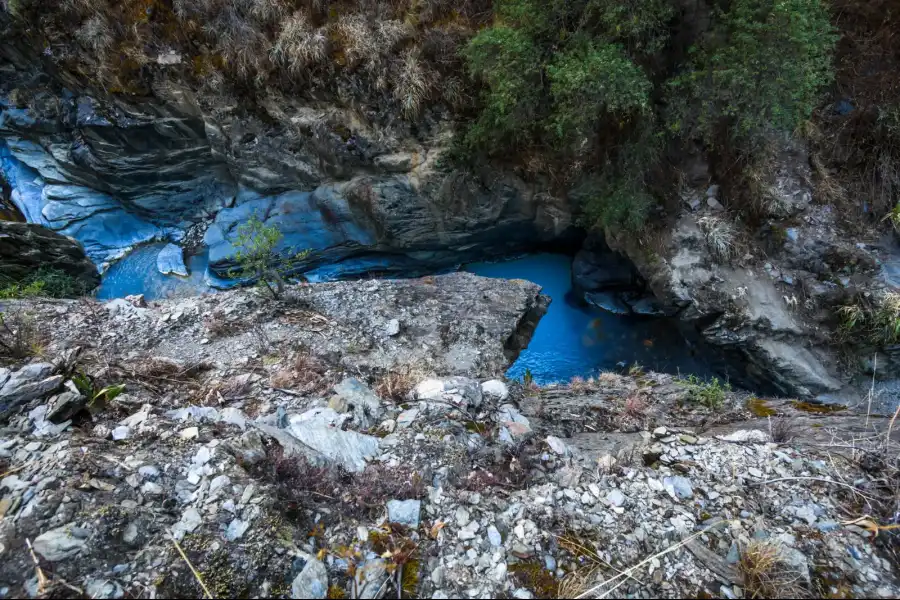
<point x="613" y="202"/>
<point x="46" y="282"/>
<point x="710" y="393"/>
<point x="509" y="63"/>
<point x="592" y="81"/>
<point x="259" y="258"/>
<point x="762" y="67"/>
<point x="875" y="321"/>
<point x="641" y="25"/>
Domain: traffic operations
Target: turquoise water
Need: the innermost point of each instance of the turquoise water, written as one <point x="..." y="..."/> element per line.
<point x="578" y="340"/>
<point x="137" y="273"/>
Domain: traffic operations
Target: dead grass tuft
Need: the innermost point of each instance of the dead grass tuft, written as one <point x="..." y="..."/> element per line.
<point x="782" y="429"/>
<point x="766" y="574"/>
<point x="396" y="385"/>
<point x="306" y="373"/>
<point x="299" y="45"/>
<point x="21" y="336"/>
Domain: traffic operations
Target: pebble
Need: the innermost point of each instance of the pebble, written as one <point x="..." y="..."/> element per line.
<point x="494" y="536"/>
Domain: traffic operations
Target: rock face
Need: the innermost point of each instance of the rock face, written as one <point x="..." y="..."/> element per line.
<point x="24" y="248"/>
<point x="114" y="173"/>
<point x="767" y="310"/>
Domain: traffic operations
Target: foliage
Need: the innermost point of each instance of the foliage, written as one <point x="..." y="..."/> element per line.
<point x="96" y="398"/>
<point x="46" y="282"/>
<point x="258" y="255"/>
<point x="762" y="67"/>
<point x="590" y="81"/>
<point x="613" y="202"/>
<point x="641" y="25"/>
<point x="509" y="63"/>
<point x="710" y="394"/>
<point x="874" y="321"/>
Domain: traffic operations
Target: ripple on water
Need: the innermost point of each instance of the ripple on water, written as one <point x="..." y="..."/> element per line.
<point x="577" y="340"/>
<point x="137" y="273"/>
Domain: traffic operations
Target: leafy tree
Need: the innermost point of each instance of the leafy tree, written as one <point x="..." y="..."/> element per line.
<point x="592" y="82"/>
<point x="763" y="67"/>
<point x="258" y="257"/>
<point x="509" y="63"/>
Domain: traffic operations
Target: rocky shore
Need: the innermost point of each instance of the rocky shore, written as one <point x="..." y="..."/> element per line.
<point x="357" y="440"/>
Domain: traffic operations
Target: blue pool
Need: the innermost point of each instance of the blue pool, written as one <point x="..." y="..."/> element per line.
<point x="577" y="340"/>
<point x="137" y="273"/>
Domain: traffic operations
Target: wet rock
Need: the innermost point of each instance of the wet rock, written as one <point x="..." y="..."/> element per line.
<point x="405" y="512"/>
<point x="170" y="261"/>
<point x="608" y="301"/>
<point x="312" y="581"/>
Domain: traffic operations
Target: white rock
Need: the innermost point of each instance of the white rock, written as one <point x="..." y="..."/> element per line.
<point x="406" y="418"/>
<point x="189" y="433"/>
<point x="405" y="512"/>
<point x="557" y="445"/>
<point x="190" y="520"/>
<point x="495" y="390"/>
<point x="616" y="498"/>
<point x="462" y="516"/>
<point x="753" y="436"/>
<point x="349" y="449"/>
<point x="121" y="433"/>
<point x="494" y="537"/>
<point x="392" y="327"/>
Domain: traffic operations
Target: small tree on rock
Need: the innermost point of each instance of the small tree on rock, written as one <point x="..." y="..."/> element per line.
<point x="258" y="258"/>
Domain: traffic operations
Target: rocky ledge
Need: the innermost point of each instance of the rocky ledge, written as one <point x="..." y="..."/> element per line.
<point x="348" y="441"/>
<point x="25" y="248"/>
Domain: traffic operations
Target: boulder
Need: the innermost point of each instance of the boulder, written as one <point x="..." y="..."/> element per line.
<point x="26" y="247"/>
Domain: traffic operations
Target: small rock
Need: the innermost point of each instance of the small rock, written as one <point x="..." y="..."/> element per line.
<point x="312" y="581"/>
<point x="557" y="445"/>
<point x="462" y="516"/>
<point x="687" y="439"/>
<point x="616" y="498"/>
<point x="61" y="543"/>
<point x="494" y="536"/>
<point x="405" y="512"/>
<point x="660" y="432"/>
<point x="679" y="488"/>
<point x="236" y="529"/>
<point x="714" y="204"/>
<point x="406" y="418"/>
<point x="468" y="532"/>
<point x="190" y="520"/>
<point x="189" y="433"/>
<point x="392" y="327"/>
<point x="121" y="432"/>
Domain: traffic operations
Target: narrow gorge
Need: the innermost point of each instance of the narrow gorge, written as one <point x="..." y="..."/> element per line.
<point x="525" y="269"/>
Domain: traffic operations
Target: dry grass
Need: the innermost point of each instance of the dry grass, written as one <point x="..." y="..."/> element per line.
<point x="635" y="406"/>
<point x="396" y="385"/>
<point x="95" y="34"/>
<point x="21" y="336"/>
<point x="299" y="45"/>
<point x="411" y="87"/>
<point x="306" y="373"/>
<point x="720" y="237"/>
<point x="766" y="574"/>
<point x="782" y="430"/>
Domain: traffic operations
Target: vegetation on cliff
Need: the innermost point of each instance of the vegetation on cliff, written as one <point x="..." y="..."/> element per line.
<point x="600" y="97"/>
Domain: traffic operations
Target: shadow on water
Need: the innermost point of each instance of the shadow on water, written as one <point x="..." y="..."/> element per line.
<point x="575" y="339"/>
<point x="137" y="273"/>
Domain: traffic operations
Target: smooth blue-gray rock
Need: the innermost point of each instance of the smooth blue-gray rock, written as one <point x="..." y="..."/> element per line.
<point x="349" y="449"/>
<point x="170" y="261"/>
<point x="61" y="543"/>
<point x="404" y="512"/>
<point x="312" y="581"/>
<point x="678" y="487"/>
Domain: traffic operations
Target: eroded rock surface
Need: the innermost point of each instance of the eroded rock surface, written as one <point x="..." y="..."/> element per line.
<point x="25" y="248"/>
